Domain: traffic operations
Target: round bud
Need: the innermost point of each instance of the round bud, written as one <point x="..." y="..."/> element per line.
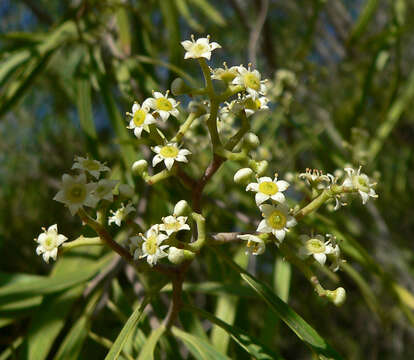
<point x="243" y="176"/>
<point x="262" y="167"/>
<point x="251" y="140"/>
<point x="175" y="255"/>
<point x="126" y="190"/>
<point x="179" y="87"/>
<point x="182" y="208"/>
<point x="138" y="167"/>
<point x="337" y="296"/>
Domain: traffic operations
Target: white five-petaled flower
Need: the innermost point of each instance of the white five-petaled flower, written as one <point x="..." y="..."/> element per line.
<point x="255" y="245"/>
<point x="276" y="220"/>
<point x="251" y="106"/>
<point x="93" y="167"/>
<point x="266" y="189"/>
<point x="360" y="182"/>
<point x="251" y="81"/>
<point x="162" y="105"/>
<point x="104" y="189"/>
<point x="141" y="118"/>
<point x="76" y="193"/>
<point x="317" y="247"/>
<point x="121" y="214"/>
<point x="151" y="247"/>
<point x="201" y="48"/>
<point x="169" y="153"/>
<point x="49" y="241"/>
<point x="172" y="224"/>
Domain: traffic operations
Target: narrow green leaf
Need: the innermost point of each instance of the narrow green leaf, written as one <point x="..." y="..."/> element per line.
<point x="126" y="331"/>
<point x="186" y="14"/>
<point x="300" y="327"/>
<point x="215" y="288"/>
<point x="84" y="104"/>
<point x="282" y="278"/>
<point x="72" y="344"/>
<point x="147" y="352"/>
<point x="198" y="347"/>
<point x="248" y="343"/>
<point x="209" y="11"/>
<point x="364" y="18"/>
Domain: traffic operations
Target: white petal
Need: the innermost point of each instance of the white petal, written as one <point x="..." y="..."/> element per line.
<point x="214" y="45"/>
<point x="149" y="103"/>
<point x="291" y="221"/>
<point x="138" y="132"/>
<point x="46" y="256"/>
<point x="279" y="197"/>
<point x="181" y="158"/>
<point x="282" y="185"/>
<point x="52" y="228"/>
<point x="53" y="253"/>
<point x="169" y="162"/>
<point x="266" y="209"/>
<point x="187" y="44"/>
<point x="156" y="160"/>
<point x="348" y="183"/>
<point x="261" y="198"/>
<point x="135" y="108"/>
<point x="263" y="227"/>
<point x="163" y="114"/>
<point x="184" y="152"/>
<point x="364" y="196"/>
<point x="252" y="187"/>
<point x="280" y="234"/>
<point x="265" y="179"/>
<point x="320" y="258"/>
<point x="157" y="95"/>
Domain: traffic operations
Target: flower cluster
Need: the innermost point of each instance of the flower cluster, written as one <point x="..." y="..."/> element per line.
<point x="152" y="246"/>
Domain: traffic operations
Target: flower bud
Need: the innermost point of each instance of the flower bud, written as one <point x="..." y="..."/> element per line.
<point x="251" y="140"/>
<point x="179" y="87"/>
<point x="243" y="176"/>
<point x="175" y="255"/>
<point x="181" y="208"/>
<point x="337" y="296"/>
<point x="262" y="167"/>
<point x="138" y="167"/>
<point x="126" y="190"/>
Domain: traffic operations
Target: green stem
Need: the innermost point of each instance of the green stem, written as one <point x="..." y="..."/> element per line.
<point x="162" y="175"/>
<point x="207" y="77"/>
<point x="234" y="140"/>
<point x="184" y="128"/>
<point x="201" y="233"/>
<point x="81" y="241"/>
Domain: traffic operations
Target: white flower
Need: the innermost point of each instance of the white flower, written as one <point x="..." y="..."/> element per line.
<point x="266" y="189"/>
<point x="172" y="224"/>
<point x="49" y="241"/>
<point x="361" y="183"/>
<point x="317" y="247"/>
<point x="201" y="48"/>
<point x="104" y="189"/>
<point x="276" y="220"/>
<point x="162" y="105"/>
<point x="227" y="75"/>
<point x="120" y="214"/>
<point x="169" y="153"/>
<point x="315" y="177"/>
<point x="135" y="246"/>
<point x="76" y="193"/>
<point x="141" y="118"/>
<point x="93" y="167"/>
<point x="151" y="247"/>
<point x="335" y="255"/>
<point x="251" y="80"/>
<point x="255" y="245"/>
<point x="251" y="105"/>
<point x="175" y="255"/>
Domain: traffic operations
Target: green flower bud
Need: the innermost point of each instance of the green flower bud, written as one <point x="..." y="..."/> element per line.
<point x="179" y="87"/>
<point x="337" y="296"/>
<point x="126" y="190"/>
<point x="243" y="176"/>
<point x="175" y="255"/>
<point x="251" y="141"/>
<point x="262" y="167"/>
<point x="182" y="208"/>
<point x="138" y="167"/>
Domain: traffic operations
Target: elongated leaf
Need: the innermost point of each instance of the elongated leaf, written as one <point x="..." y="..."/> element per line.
<point x="126" y="331"/>
<point x="85" y="108"/>
<point x="147" y="352"/>
<point x="248" y="343"/>
<point x="209" y="11"/>
<point x="300" y="327"/>
<point x="215" y="288"/>
<point x="198" y="347"/>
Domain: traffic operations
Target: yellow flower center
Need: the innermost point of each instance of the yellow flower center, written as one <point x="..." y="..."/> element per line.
<point x="76" y="193"/>
<point x="151" y="245"/>
<point x="49" y="243"/>
<point x="268" y="188"/>
<point x="169" y="151"/>
<point x="277" y="220"/>
<point x="199" y="49"/>
<point x="315" y="246"/>
<point x="253" y="246"/>
<point x="251" y="81"/>
<point x="172" y="226"/>
<point x="90" y="165"/>
<point x="163" y="104"/>
<point x="139" y="117"/>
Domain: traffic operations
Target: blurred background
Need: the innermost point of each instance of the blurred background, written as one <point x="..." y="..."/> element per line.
<point x="342" y="93"/>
